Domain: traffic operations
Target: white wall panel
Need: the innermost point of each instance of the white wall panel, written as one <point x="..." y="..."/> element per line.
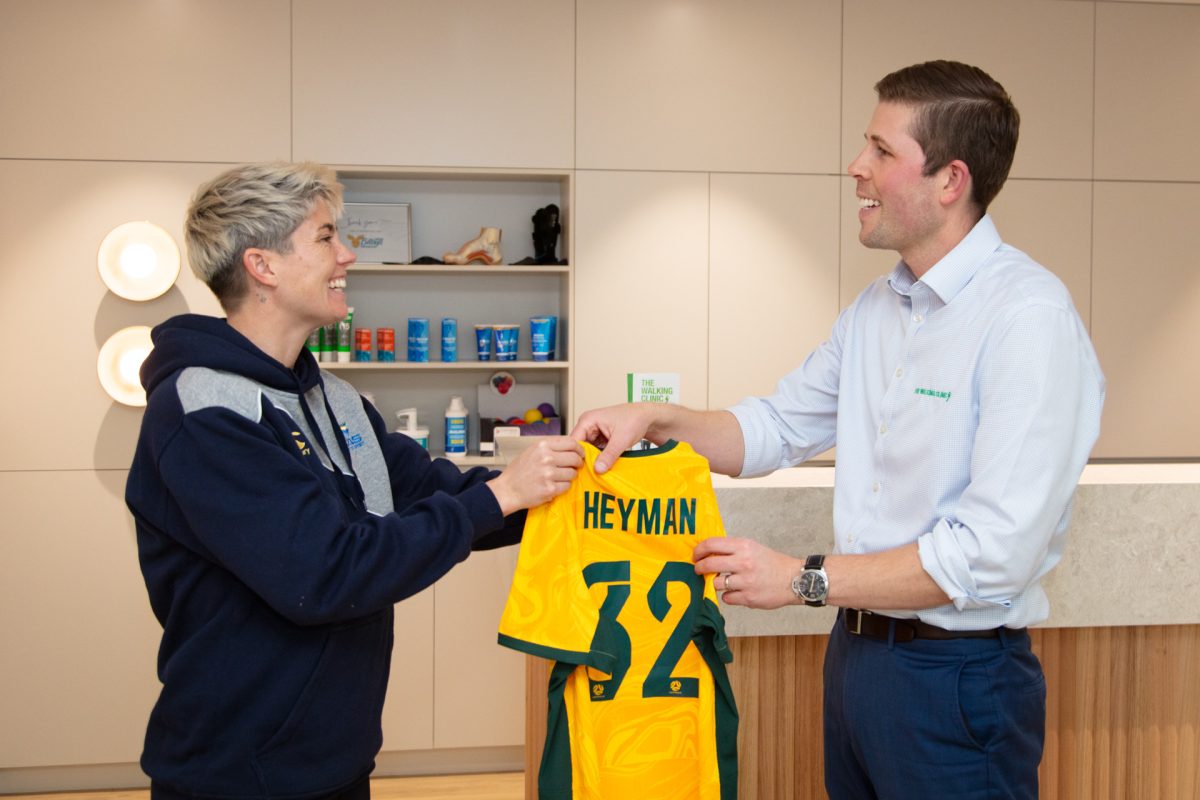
<point x="641" y="283"/>
<point x="1147" y="92"/>
<point x="145" y="80"/>
<point x="1041" y="52"/>
<point x="708" y="85"/>
<point x="478" y="686"/>
<point x="1146" y="289"/>
<point x="81" y="643"/>
<point x="470" y="83"/>
<point x="774" y="280"/>
<point x="58" y="312"/>
<point x="408" y="711"/>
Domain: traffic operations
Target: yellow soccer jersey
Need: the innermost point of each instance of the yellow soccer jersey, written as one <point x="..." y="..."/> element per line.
<point x="640" y="705"/>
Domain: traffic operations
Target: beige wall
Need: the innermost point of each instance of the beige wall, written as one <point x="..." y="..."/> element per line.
<point x="713" y="226"/>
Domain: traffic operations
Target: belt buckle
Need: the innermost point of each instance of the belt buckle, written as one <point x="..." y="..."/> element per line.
<point x="856" y="629"/>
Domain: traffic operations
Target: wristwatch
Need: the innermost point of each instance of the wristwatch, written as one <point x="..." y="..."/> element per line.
<point x="812" y="585"/>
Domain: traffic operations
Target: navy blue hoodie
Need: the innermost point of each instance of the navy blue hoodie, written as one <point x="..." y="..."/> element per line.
<point x="278" y="521"/>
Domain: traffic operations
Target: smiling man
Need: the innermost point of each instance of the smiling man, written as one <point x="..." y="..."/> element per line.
<point x="964" y="396"/>
<point x="278" y="521"/>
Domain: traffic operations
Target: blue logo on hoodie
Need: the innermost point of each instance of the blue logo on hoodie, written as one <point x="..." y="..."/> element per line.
<point x="353" y="440"/>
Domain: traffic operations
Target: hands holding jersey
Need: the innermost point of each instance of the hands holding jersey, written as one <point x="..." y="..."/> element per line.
<point x="540" y="473"/>
<point x="748" y="573"/>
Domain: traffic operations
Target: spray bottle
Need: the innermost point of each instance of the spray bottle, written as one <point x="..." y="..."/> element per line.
<point x="456" y="428"/>
<point x="408" y="420"/>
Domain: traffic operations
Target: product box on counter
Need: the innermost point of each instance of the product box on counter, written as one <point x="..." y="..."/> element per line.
<point x="487" y="425"/>
<point x="496" y="409"/>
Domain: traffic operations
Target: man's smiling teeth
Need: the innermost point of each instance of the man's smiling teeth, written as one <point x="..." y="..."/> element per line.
<point x="866" y="202"/>
<point x="338" y="283"/>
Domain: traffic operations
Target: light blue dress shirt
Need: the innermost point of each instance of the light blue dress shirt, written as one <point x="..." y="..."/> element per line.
<point x="963" y="406"/>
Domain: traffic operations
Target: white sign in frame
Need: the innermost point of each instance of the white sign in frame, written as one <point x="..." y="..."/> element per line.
<point x="378" y="233"/>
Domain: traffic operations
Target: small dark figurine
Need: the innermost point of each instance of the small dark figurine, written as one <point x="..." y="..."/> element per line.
<point x="546" y="229"/>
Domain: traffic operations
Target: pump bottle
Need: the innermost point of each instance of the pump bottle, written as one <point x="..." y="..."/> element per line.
<point x="456" y="428"/>
<point x="409" y="427"/>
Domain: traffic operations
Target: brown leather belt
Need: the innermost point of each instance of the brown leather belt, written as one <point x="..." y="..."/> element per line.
<point x="879" y="626"/>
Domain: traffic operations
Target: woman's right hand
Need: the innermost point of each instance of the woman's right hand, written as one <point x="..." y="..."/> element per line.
<point x="541" y="472"/>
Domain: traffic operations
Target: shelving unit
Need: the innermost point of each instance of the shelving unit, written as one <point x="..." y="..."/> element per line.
<point x="432" y="366"/>
<point x="449" y="207"/>
<point x="467" y="269"/>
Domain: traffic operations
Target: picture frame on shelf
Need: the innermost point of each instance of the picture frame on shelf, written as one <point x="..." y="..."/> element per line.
<point x="378" y="233"/>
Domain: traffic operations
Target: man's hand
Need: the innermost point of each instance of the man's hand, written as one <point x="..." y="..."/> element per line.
<point x="749" y="573"/>
<point x="540" y="473"/>
<point x="615" y="429"/>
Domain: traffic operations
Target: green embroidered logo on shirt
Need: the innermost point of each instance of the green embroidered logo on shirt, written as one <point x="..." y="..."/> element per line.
<point x="932" y="393"/>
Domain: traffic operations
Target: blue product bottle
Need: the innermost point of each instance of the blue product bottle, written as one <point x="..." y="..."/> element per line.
<point x="449" y="339"/>
<point x="456" y="428"/>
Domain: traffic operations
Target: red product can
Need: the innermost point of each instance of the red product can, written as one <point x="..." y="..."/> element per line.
<point x="362" y="344"/>
<point x="385" y="344"/>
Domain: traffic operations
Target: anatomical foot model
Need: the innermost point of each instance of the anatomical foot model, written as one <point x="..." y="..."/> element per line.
<point x="484" y="248"/>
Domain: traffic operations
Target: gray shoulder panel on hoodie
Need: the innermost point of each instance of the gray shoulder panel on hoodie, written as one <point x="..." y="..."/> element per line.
<point x="366" y="455"/>
<point x="201" y="387"/>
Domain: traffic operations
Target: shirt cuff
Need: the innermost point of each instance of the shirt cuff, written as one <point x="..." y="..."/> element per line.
<point x="760" y="456"/>
<point x="944" y="561"/>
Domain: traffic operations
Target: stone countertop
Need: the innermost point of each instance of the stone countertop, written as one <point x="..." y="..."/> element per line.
<point x="1132" y="554"/>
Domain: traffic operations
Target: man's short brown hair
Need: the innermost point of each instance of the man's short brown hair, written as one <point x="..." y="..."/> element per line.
<point x="961" y="113"/>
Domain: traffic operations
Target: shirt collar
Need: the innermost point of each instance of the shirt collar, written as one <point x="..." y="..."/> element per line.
<point x="947" y="277"/>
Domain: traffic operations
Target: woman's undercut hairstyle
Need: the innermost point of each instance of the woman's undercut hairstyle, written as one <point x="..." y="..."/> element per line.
<point x="257" y="205"/>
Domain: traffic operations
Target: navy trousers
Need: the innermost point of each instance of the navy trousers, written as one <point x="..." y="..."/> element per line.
<point x="956" y="719"/>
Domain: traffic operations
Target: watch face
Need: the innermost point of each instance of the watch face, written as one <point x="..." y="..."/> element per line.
<point x="812" y="585"/>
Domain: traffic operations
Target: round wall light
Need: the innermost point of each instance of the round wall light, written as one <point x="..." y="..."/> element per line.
<point x="138" y="260"/>
<point x="120" y="360"/>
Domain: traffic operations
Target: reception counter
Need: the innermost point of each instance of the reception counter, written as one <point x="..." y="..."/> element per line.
<point x="1121" y="649"/>
<point x="1132" y="555"/>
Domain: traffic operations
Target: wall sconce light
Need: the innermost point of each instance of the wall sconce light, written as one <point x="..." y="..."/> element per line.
<point x="120" y="359"/>
<point x="138" y="260"/>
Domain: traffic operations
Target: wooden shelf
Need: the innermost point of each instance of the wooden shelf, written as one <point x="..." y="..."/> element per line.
<point x="460" y="269"/>
<point x="428" y="366"/>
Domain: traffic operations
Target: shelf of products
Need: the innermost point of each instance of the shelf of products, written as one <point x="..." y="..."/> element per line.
<point x="444" y="211"/>
<point x="431" y="366"/>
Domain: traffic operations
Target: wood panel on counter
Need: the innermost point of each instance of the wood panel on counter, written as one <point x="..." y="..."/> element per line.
<point x="1122" y="714"/>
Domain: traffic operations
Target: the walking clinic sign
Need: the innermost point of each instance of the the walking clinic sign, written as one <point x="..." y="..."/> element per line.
<point x="652" y="387"/>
